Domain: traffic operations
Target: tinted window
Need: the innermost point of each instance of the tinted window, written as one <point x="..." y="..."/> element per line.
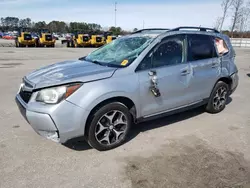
<point x="27" y="36"/>
<point x="170" y="52"/>
<point x="200" y="47"/>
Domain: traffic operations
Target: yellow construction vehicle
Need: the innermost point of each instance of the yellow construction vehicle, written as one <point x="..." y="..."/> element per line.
<point x="109" y="37"/>
<point x="24" y="39"/>
<point x="45" y="39"/>
<point x="97" y="40"/>
<point x="79" y="40"/>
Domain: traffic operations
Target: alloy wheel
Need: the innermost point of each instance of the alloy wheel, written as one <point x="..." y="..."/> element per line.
<point x="111" y="127"/>
<point x="220" y="98"/>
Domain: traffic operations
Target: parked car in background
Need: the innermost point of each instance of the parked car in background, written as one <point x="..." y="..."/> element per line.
<point x="146" y="75"/>
<point x="8" y="36"/>
<point x="55" y="37"/>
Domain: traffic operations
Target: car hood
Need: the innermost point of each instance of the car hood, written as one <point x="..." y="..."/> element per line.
<point x="68" y="71"/>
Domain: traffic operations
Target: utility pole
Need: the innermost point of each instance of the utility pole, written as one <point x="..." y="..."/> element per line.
<point x="115" y="13"/>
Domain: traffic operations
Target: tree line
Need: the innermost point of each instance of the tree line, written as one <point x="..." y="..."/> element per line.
<point x="14" y="23"/>
<point x="238" y="11"/>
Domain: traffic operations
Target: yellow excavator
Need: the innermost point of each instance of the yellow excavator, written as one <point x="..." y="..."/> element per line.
<point x="24" y="39"/>
<point x="45" y="39"/>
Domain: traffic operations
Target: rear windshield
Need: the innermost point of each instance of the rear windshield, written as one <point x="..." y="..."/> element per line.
<point x="48" y="37"/>
<point x="27" y="36"/>
<point x="85" y="38"/>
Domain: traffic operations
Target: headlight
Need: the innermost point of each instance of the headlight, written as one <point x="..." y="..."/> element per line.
<point x="56" y="94"/>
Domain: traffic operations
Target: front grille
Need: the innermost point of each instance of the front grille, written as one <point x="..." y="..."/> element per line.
<point x="48" y="37"/>
<point x="98" y="39"/>
<point x="25" y="95"/>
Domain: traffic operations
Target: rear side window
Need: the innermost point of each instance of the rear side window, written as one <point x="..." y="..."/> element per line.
<point x="221" y="46"/>
<point x="200" y="47"/>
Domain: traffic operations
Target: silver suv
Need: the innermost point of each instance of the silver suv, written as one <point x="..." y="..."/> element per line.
<point x="145" y="75"/>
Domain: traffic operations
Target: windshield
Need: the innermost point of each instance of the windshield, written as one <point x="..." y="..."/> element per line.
<point x="120" y="52"/>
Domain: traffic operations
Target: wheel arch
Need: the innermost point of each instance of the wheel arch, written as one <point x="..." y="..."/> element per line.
<point x="224" y="79"/>
<point x="227" y="80"/>
<point x="121" y="99"/>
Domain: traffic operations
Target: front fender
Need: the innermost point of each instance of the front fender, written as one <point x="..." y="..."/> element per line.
<point x="93" y="93"/>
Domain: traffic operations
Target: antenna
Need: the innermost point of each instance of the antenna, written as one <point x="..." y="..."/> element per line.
<point x="115" y="13"/>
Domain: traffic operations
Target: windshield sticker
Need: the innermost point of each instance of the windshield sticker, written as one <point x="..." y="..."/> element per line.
<point x="124" y="62"/>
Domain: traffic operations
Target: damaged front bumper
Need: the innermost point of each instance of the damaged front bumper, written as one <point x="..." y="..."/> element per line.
<point x="41" y="123"/>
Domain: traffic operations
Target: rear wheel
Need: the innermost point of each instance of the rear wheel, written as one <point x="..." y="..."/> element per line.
<point x="17" y="44"/>
<point x="109" y="126"/>
<point x="218" y="98"/>
<point x="72" y="45"/>
<point x="68" y="44"/>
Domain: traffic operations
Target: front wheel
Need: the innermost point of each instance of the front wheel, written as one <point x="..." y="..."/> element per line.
<point x="218" y="98"/>
<point x="109" y="126"/>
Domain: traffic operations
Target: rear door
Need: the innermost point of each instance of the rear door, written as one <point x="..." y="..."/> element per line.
<point x="205" y="65"/>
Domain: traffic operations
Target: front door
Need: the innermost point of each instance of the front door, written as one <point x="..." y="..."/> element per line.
<point x="167" y="62"/>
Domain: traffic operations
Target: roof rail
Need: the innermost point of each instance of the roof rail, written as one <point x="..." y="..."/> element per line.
<point x="151" y="29"/>
<point x="199" y="28"/>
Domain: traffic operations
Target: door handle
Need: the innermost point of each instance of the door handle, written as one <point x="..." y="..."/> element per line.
<point x="185" y="72"/>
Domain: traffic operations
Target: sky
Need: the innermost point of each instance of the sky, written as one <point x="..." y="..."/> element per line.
<point x="130" y="13"/>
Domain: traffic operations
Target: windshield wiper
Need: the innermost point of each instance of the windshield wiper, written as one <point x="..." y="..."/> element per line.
<point x="82" y="58"/>
<point x="96" y="62"/>
<point x="99" y="63"/>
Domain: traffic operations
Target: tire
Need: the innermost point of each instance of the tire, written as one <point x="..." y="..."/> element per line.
<point x="72" y="45"/>
<point x="218" y="98"/>
<point x="97" y="135"/>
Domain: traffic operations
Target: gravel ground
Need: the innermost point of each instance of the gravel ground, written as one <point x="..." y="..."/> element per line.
<point x="191" y="149"/>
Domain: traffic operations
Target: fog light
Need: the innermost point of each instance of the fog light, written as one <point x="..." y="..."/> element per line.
<point x="51" y="135"/>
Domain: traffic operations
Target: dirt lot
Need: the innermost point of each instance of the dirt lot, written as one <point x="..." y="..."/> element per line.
<point x="192" y="149"/>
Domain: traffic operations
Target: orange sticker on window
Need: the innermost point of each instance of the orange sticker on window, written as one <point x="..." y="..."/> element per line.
<point x="124" y="62"/>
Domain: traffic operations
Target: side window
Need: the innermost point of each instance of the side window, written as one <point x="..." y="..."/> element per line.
<point x="221" y="46"/>
<point x="169" y="52"/>
<point x="200" y="47"/>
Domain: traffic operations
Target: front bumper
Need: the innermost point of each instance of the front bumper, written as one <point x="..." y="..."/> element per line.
<point x="57" y="123"/>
